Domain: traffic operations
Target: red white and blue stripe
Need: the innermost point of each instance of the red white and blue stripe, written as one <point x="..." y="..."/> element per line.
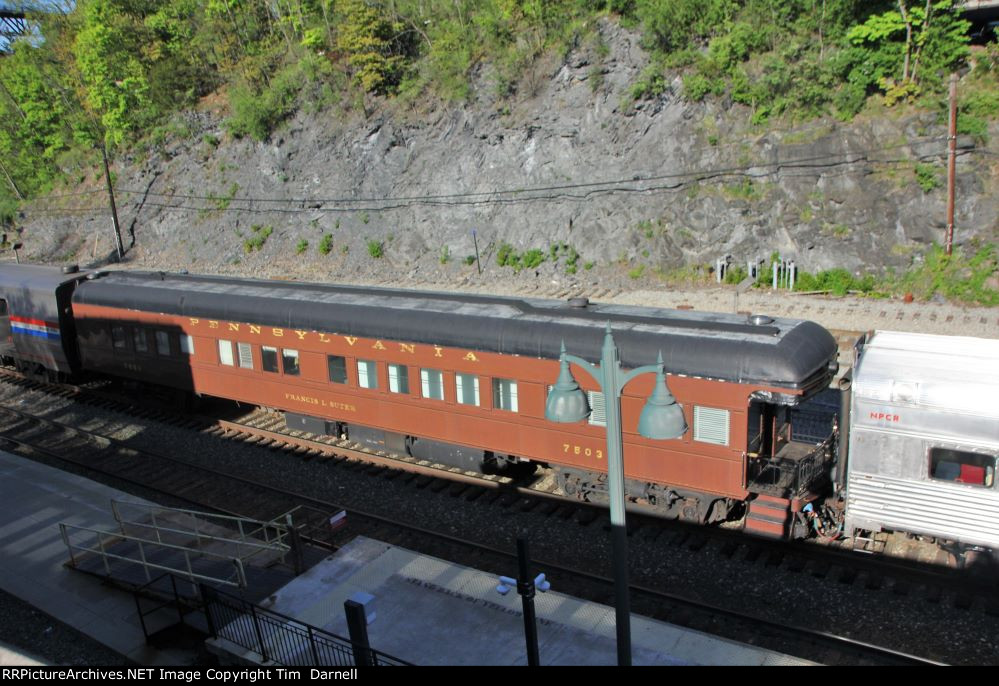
<point x="34" y="327"/>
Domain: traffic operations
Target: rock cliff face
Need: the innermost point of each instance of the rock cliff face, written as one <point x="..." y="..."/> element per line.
<point x="569" y="160"/>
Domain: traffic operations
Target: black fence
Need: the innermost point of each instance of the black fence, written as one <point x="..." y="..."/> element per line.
<point x="281" y="639"/>
<point x="787" y="477"/>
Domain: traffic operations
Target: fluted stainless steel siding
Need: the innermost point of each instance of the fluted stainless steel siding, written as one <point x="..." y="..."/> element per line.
<point x="912" y="393"/>
<point x="959" y="512"/>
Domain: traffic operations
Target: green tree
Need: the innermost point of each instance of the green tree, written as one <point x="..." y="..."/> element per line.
<point x="376" y="45"/>
<point x="108" y="50"/>
<point x="906" y="46"/>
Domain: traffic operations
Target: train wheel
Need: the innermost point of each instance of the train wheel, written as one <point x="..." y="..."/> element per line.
<point x="569" y="484"/>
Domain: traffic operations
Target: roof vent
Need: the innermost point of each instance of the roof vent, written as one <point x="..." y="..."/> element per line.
<point x="760" y="319"/>
<point x="70" y="269"/>
<point x="580" y="302"/>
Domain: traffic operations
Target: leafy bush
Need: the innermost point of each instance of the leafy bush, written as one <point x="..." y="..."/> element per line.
<point x="926" y="177"/>
<point x="959" y="276"/>
<point x="259" y="236"/>
<point x="376" y="249"/>
<point x="256" y="113"/>
<point x="735" y="275"/>
<point x="504" y="254"/>
<point x="302" y="246"/>
<point x="532" y="258"/>
<point x="326" y="244"/>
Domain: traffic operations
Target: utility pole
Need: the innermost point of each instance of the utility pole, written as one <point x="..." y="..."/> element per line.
<point x="951" y="161"/>
<point x="17" y="191"/>
<point x="114" y="209"/>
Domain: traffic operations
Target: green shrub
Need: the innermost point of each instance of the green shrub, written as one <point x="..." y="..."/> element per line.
<point x="571" y="260"/>
<point x="302" y="246"/>
<point x="504" y="254"/>
<point x="735" y="275"/>
<point x="926" y="177"/>
<point x="532" y="258"/>
<point x="637" y="272"/>
<point x="256" y="113"/>
<point x="376" y="249"/>
<point x="326" y="244"/>
<point x="259" y="236"/>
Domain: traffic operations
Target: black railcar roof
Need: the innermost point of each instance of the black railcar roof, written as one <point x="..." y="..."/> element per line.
<point x="783" y="352"/>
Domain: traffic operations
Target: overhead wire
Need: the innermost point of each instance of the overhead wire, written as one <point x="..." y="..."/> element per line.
<point x="580" y="191"/>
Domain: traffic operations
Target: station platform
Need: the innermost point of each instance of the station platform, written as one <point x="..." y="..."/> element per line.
<point x="11" y="656"/>
<point x="431" y="612"/>
<point x="35" y="499"/>
<point x="427" y="611"/>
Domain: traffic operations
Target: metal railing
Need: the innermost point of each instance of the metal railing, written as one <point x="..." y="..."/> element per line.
<point x="789" y="477"/>
<point x="240" y="531"/>
<point x="162" y="594"/>
<point x="278" y="638"/>
<point x="145" y="549"/>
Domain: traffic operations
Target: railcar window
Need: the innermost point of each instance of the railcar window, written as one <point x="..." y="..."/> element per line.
<point x="245" y="355"/>
<point x="467" y="387"/>
<point x="118" y="337"/>
<point x="3" y="308"/>
<point x="398" y="378"/>
<point x="337" y="367"/>
<point x="186" y="344"/>
<point x="163" y="343"/>
<point x="367" y="374"/>
<point x="141" y="344"/>
<point x="505" y="395"/>
<point x="432" y="382"/>
<point x="269" y="358"/>
<point x="225" y="353"/>
<point x="962" y="467"/>
<point x="289" y="359"/>
<point x="711" y="425"/>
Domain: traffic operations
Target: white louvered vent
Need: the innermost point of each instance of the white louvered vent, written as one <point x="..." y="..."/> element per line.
<point x="598" y="408"/>
<point x="245" y="355"/>
<point x="710" y="425"/>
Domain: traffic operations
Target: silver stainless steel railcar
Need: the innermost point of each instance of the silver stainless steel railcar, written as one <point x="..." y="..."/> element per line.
<point x="924" y="438"/>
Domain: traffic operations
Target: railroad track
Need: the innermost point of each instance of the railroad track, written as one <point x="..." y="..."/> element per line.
<point x="210" y="488"/>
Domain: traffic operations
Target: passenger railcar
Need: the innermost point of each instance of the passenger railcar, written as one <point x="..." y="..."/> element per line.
<point x="37" y="330"/>
<point x="924" y="438"/>
<point x="463" y="379"/>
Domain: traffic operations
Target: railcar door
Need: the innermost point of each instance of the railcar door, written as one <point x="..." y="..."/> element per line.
<point x="6" y="335"/>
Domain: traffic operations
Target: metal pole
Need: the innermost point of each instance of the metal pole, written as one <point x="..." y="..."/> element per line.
<point x="476" y="242"/>
<point x="610" y="368"/>
<point x="525" y="587"/>
<point x="114" y="210"/>
<point x="357" y="629"/>
<point x="951" y="161"/>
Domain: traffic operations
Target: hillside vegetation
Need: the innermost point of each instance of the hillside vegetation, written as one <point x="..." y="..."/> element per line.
<point x="112" y="72"/>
